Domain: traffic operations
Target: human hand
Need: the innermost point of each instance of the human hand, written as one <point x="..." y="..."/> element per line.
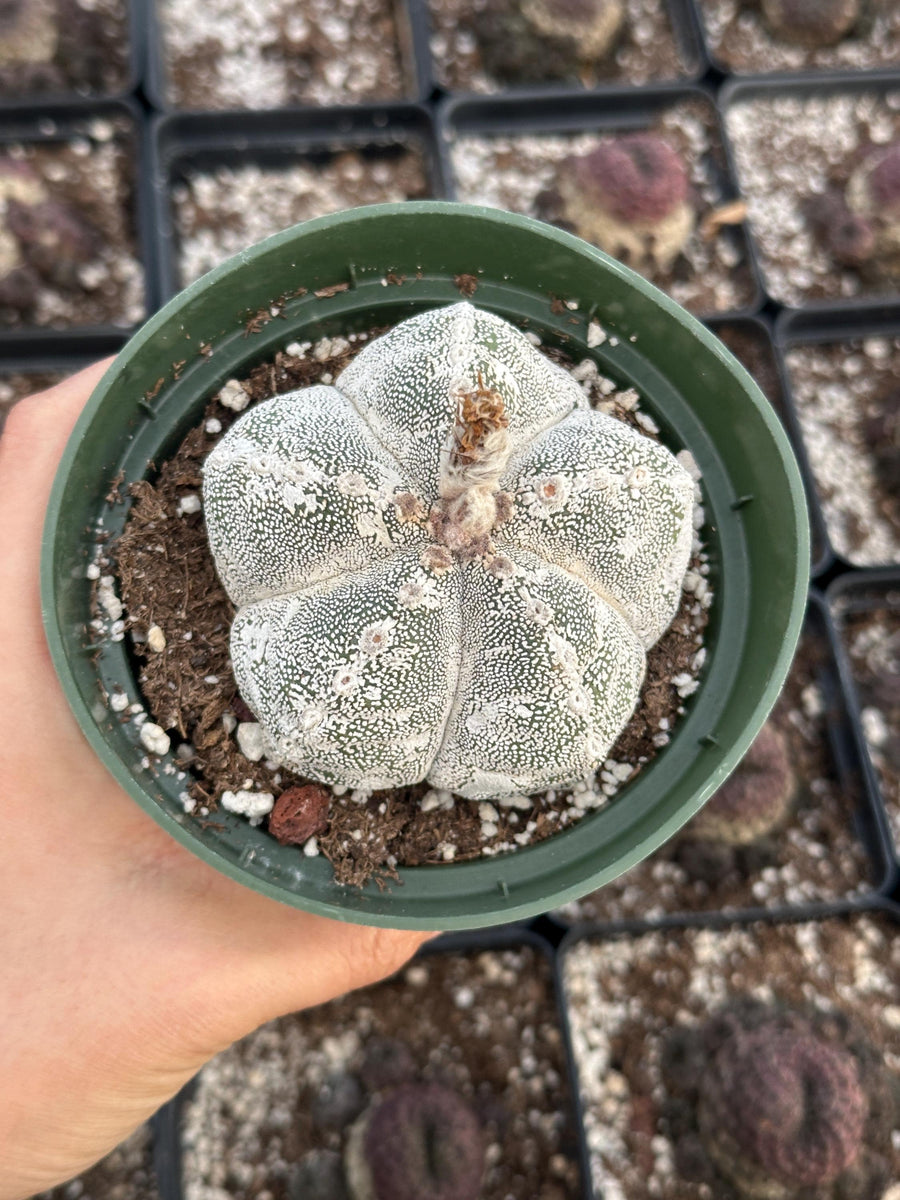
<point x="126" y="961"/>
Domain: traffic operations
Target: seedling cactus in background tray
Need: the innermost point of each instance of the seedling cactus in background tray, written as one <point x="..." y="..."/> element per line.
<point x="446" y="564"/>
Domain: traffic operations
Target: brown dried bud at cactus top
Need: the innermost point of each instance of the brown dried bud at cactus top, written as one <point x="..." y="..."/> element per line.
<point x="755" y="799"/>
<point x="811" y="23"/>
<point x="542" y="40"/>
<point x="630" y="197"/>
<point x="29" y="31"/>
<point x="873" y="194"/>
<point x="419" y="1142"/>
<point x="780" y="1109"/>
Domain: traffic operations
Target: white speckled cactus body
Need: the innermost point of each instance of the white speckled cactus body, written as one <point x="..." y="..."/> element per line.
<point x="447" y="565"/>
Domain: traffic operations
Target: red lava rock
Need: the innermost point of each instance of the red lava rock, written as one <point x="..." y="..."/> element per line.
<point x="299" y="813"/>
<point x="241" y="710"/>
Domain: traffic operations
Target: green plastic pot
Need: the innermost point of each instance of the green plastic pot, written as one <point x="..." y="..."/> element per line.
<point x="330" y="276"/>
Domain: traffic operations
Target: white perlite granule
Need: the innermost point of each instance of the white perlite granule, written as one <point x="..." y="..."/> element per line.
<point x="230" y="54"/>
<point x="833" y="386"/>
<point x="222" y="213"/>
<point x="854" y="965"/>
<point x="785" y="151"/>
<point x="512" y="172"/>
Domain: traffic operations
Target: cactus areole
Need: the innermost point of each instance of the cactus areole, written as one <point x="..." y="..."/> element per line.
<point x="446" y="565"/>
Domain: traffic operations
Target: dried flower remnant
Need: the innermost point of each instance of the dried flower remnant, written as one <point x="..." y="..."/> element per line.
<point x="420" y="1141"/>
<point x="812" y="23"/>
<point x="366" y="643"/>
<point x="631" y="197"/>
<point x="544" y="40"/>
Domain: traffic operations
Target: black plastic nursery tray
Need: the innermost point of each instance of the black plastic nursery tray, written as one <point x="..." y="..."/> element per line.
<point x="489" y="1025"/>
<point x="823" y="344"/>
<point x="223" y="181"/>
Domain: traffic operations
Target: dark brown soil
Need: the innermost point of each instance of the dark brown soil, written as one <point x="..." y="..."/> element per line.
<point x="168" y="579"/>
<point x="628" y="996"/>
<point x="125" y="1174"/>
<point x="91" y="273"/>
<point x="484" y="1024"/>
<point x="84" y="49"/>
<point x="645" y="51"/>
<point x="322" y="52"/>
<point x="815" y="856"/>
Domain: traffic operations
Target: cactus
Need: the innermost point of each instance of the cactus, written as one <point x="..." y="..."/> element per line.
<point x="446" y="565"/>
<point x="755" y="800"/>
<point x="28" y="31"/>
<point x="421" y="1141"/>
<point x="781" y="1108"/>
<point x="631" y="197"/>
<point x="873" y="195"/>
<point x="811" y="23"/>
<point x="544" y="40"/>
<point x="318" y="1176"/>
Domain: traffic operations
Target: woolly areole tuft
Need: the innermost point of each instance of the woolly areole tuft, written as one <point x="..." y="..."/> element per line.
<point x="447" y="566"/>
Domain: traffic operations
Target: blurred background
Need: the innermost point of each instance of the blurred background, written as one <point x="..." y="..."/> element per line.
<point x="744" y="155"/>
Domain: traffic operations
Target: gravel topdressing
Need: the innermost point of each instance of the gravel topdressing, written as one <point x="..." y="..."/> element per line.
<point x="484" y="1024"/>
<point x="225" y="54"/>
<point x="626" y="995"/>
<point x="740" y="38"/>
<point x="845" y="396"/>
<point x="646" y="51"/>
<point x="511" y="172"/>
<point x="789" y="149"/>
<point x="218" y="214"/>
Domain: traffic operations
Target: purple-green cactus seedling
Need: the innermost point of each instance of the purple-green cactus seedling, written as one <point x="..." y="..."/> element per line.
<point x="781" y="1109"/>
<point x="873" y="195"/>
<point x="535" y="41"/>
<point x="755" y="800"/>
<point x="631" y="197"/>
<point x="420" y="1141"/>
<point x="811" y="23"/>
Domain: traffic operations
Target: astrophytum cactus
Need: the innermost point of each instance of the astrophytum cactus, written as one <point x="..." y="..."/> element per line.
<point x="446" y="565"/>
<point x="781" y="1109"/>
<point x="420" y="1141"/>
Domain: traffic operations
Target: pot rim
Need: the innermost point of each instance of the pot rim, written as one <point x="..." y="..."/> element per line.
<point x="487" y="890"/>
